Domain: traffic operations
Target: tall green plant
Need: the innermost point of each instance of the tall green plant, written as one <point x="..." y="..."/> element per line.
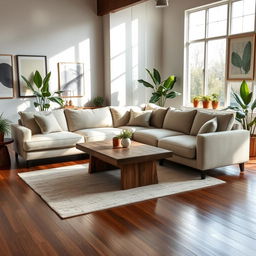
<point x="5" y="125"/>
<point x="245" y="108"/>
<point x="40" y="88"/>
<point x="162" y="89"/>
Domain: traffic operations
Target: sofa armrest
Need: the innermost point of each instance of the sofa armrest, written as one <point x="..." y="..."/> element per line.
<point x="20" y="134"/>
<point x="222" y="148"/>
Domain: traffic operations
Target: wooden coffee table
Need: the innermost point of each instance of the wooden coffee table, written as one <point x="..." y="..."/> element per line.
<point x="137" y="163"/>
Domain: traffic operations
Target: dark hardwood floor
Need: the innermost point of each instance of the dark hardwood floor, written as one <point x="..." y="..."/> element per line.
<point x="219" y="220"/>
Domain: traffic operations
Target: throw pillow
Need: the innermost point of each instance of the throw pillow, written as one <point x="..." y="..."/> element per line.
<point x="27" y="119"/>
<point x="209" y="126"/>
<point x="47" y="123"/>
<point x="178" y="120"/>
<point x="139" y="118"/>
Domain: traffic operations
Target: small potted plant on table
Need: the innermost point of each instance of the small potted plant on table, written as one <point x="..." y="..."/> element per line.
<point x="206" y="101"/>
<point x="196" y="101"/>
<point x="125" y="137"/>
<point x="4" y="127"/>
<point x="215" y="100"/>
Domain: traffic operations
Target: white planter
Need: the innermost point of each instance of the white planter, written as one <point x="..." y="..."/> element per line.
<point x="126" y="142"/>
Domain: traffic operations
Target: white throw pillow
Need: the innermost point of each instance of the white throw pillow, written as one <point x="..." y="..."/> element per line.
<point x="47" y="123"/>
<point x="140" y="118"/>
<point x="209" y="126"/>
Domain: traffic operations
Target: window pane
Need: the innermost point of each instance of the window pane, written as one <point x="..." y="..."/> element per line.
<point x="216" y="68"/>
<point x="197" y="25"/>
<point x="217" y="21"/>
<point x="243" y="16"/>
<point x="196" y="69"/>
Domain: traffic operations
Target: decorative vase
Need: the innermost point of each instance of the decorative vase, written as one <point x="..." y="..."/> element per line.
<point x="116" y="142"/>
<point x="206" y="104"/>
<point x="215" y="104"/>
<point x="126" y="142"/>
<point x="195" y="103"/>
<point x="253" y="146"/>
<point x="1" y="137"/>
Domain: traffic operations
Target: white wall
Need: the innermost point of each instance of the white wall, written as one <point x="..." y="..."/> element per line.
<point x="63" y="30"/>
<point x="173" y="41"/>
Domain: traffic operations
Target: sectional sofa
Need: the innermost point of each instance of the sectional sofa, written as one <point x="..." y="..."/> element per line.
<point x="199" y="139"/>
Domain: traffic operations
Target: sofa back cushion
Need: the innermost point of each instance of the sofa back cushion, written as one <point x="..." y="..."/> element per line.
<point x="88" y="118"/>
<point x="178" y="120"/>
<point x="121" y="115"/>
<point x="225" y="120"/>
<point x="157" y="116"/>
<point x="27" y="119"/>
<point x="139" y="118"/>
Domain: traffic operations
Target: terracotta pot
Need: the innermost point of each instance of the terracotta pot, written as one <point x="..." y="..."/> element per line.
<point x="1" y="137"/>
<point x="206" y="104"/>
<point x="126" y="142"/>
<point x="215" y="104"/>
<point x="253" y="146"/>
<point x="195" y="103"/>
<point x="116" y="142"/>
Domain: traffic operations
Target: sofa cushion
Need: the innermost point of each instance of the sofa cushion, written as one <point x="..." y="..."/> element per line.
<point x="139" y="118"/>
<point x="183" y="145"/>
<point x="180" y="121"/>
<point x="121" y="115"/>
<point x="88" y="118"/>
<point x="47" y="123"/>
<point x="157" y="116"/>
<point x="209" y="126"/>
<point x="41" y="142"/>
<point x="98" y="134"/>
<point x="151" y="136"/>
<point x="225" y="120"/>
<point x="28" y="120"/>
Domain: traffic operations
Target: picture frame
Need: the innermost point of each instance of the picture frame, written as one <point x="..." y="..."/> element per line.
<point x="6" y="76"/>
<point x="26" y="66"/>
<point x="71" y="79"/>
<point x="241" y="57"/>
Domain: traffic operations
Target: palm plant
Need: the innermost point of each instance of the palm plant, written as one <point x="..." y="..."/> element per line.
<point x="162" y="89"/>
<point x="40" y="88"/>
<point x="245" y="108"/>
<point x="5" y="126"/>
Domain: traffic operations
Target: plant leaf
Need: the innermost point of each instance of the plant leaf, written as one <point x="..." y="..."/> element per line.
<point x="169" y="82"/>
<point x="37" y="80"/>
<point x="46" y="106"/>
<point x="236" y="60"/>
<point x="146" y="84"/>
<point x="57" y="100"/>
<point x="28" y="84"/>
<point x="253" y="106"/>
<point x="36" y="104"/>
<point x="172" y="95"/>
<point x="157" y="76"/>
<point x="245" y="93"/>
<point x="155" y="98"/>
<point x="152" y="77"/>
<point x="239" y="100"/>
<point x="246" y="59"/>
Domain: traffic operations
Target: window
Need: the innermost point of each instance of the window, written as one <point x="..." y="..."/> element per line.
<point x="206" y="38"/>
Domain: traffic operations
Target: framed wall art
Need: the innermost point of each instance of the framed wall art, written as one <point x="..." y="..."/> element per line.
<point x="6" y="76"/>
<point x="26" y="66"/>
<point x="71" y="79"/>
<point x="240" y="62"/>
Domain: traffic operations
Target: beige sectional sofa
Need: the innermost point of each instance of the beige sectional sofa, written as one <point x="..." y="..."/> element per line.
<point x="199" y="139"/>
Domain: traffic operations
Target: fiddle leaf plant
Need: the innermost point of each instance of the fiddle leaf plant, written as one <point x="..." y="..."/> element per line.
<point x="245" y="108"/>
<point x="162" y="89"/>
<point x="40" y="88"/>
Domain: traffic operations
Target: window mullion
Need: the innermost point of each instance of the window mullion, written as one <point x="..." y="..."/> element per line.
<point x="205" y="53"/>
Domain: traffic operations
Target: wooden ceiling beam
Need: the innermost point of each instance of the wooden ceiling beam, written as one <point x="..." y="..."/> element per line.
<point x="108" y="6"/>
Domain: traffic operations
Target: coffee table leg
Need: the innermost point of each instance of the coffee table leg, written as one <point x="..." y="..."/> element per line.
<point x="137" y="175"/>
<point x="5" y="161"/>
<point x="97" y="165"/>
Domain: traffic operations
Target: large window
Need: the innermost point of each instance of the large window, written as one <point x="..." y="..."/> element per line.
<point x="206" y="40"/>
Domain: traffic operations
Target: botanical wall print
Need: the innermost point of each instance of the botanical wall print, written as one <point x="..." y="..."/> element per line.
<point x="241" y="57"/>
<point x="6" y="76"/>
<point x="27" y="65"/>
<point x="71" y="79"/>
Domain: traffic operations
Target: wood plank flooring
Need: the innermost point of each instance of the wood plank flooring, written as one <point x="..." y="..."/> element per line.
<point x="220" y="220"/>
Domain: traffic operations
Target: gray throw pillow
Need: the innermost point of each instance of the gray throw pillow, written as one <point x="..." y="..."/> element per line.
<point x="139" y="118"/>
<point x="47" y="123"/>
<point x="209" y="126"/>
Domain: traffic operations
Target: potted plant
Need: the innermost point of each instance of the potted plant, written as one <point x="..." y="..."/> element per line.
<point x="98" y="101"/>
<point x="117" y="142"/>
<point x="245" y="114"/>
<point x="206" y="101"/>
<point x="5" y="125"/>
<point x="196" y="101"/>
<point x="40" y="88"/>
<point x="215" y="100"/>
<point x="162" y="89"/>
<point x="125" y="137"/>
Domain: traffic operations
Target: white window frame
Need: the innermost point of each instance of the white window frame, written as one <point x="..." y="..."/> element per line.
<point x="205" y="40"/>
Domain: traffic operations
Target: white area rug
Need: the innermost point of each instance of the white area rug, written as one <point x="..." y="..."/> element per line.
<point x="71" y="191"/>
